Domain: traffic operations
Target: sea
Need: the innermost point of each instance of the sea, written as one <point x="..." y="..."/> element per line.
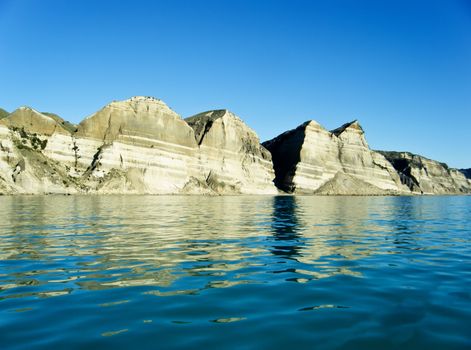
<point x="235" y="272"/>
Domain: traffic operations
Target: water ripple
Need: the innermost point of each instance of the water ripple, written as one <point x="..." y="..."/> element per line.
<point x="235" y="272"/>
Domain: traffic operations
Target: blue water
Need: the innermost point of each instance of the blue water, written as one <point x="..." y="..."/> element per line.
<point x="249" y="272"/>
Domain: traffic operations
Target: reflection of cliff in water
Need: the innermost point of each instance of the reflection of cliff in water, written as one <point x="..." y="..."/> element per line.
<point x="286" y="227"/>
<point x="182" y="244"/>
<point x="115" y="241"/>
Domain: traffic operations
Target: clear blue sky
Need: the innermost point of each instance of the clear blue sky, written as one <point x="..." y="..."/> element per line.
<point x="402" y="68"/>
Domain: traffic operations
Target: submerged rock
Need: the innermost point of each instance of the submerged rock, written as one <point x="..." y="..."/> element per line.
<point x="309" y="157"/>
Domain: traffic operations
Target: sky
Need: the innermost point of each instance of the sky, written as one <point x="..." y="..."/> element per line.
<point x="402" y="68"/>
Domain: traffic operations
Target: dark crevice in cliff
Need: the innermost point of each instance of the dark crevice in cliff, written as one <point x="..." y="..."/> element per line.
<point x="95" y="164"/>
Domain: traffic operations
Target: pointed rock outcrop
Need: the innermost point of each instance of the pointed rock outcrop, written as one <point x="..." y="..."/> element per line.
<point x="423" y="175"/>
<point x="309" y="156"/>
<point x="231" y="157"/>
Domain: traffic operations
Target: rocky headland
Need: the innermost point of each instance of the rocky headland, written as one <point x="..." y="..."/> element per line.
<point x="142" y="146"/>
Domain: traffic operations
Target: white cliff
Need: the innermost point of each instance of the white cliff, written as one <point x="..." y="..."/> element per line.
<point x="134" y="146"/>
<point x="309" y="157"/>
<point x="32" y="149"/>
<point x="231" y="157"/>
<point x="426" y="176"/>
<point x="140" y="145"/>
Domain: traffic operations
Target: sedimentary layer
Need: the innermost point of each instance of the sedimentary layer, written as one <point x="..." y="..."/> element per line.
<point x="310" y="159"/>
<point x="134" y="146"/>
<point x="423" y="175"/>
<point x="140" y="145"/>
<point x="231" y="156"/>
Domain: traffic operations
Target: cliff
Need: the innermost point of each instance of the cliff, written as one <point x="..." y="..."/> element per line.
<point x="423" y="175"/>
<point x="231" y="156"/>
<point x="140" y="145"/>
<point x="134" y="146"/>
<point x="31" y="149"/>
<point x="310" y="159"/>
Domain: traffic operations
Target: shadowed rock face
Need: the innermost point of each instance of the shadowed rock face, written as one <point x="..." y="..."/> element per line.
<point x="309" y="157"/>
<point x="423" y="175"/>
<point x="466" y="172"/>
<point x="286" y="154"/>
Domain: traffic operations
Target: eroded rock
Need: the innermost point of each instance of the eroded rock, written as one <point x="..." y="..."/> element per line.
<point x="423" y="175"/>
<point x="309" y="157"/>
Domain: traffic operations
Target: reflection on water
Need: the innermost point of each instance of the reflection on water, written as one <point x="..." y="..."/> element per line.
<point x="365" y="271"/>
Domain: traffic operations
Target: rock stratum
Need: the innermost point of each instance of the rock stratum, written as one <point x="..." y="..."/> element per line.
<point x="142" y="146"/>
<point x="331" y="162"/>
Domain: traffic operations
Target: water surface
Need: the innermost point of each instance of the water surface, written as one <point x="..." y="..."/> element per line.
<point x="235" y="272"/>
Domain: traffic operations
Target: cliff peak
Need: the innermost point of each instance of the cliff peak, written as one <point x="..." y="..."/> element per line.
<point x="353" y="125"/>
<point x="33" y="121"/>
<point x="203" y="122"/>
<point x="140" y="104"/>
<point x="137" y="119"/>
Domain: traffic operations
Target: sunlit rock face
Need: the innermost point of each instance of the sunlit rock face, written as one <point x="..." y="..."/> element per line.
<point x="134" y="146"/>
<point x="137" y="146"/>
<point x="230" y="155"/>
<point x="140" y="145"/>
<point x="310" y="159"/>
<point x="428" y="176"/>
<point x="35" y="154"/>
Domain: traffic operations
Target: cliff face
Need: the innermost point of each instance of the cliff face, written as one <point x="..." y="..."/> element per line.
<point x="231" y="157"/>
<point x="134" y="146"/>
<point x="32" y="147"/>
<point x="423" y="175"/>
<point x="141" y="146"/>
<point x="322" y="161"/>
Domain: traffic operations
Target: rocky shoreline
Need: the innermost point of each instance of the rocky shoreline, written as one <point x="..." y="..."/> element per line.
<point x="141" y="146"/>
